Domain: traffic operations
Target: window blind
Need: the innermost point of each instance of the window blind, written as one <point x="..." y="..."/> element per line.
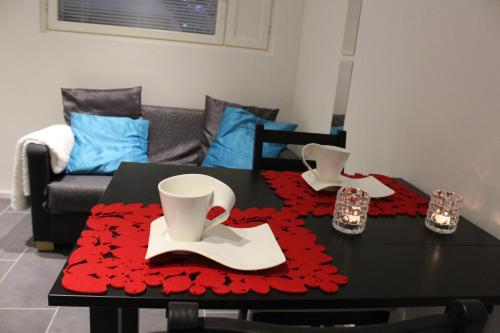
<point x="193" y="16"/>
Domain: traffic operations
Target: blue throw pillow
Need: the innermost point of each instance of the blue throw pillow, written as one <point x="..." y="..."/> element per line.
<point x="335" y="130"/>
<point x="233" y="145"/>
<point x="102" y="143"/>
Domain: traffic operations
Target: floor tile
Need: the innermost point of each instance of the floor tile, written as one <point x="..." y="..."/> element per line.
<point x="4" y="267"/>
<point x="33" y="321"/>
<point x="29" y="281"/>
<point x="411" y="313"/>
<point x="233" y="314"/>
<point x="15" y="234"/>
<point x="493" y="322"/>
<point x="11" y="210"/>
<point x="152" y="320"/>
<point x="76" y="318"/>
<point x="4" y="203"/>
<point x="8" y="220"/>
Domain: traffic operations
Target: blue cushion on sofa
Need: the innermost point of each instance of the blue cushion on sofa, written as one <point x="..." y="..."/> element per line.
<point x="102" y="143"/>
<point x="233" y="145"/>
<point x="334" y="130"/>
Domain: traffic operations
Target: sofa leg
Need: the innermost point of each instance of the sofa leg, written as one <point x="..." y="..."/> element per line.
<point x="43" y="246"/>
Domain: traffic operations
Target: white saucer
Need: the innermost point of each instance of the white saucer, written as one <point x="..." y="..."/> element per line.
<point x="245" y="249"/>
<point x="370" y="184"/>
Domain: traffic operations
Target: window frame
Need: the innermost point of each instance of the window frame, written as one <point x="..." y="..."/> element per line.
<point x="261" y="40"/>
<point x="53" y="23"/>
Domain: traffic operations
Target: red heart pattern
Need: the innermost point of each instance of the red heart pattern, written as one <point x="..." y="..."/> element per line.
<point x="301" y="198"/>
<point x="111" y="251"/>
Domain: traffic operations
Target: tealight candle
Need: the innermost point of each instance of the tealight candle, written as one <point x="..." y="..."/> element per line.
<point x="441" y="219"/>
<point x="351" y="215"/>
<point x="356" y="219"/>
<point x="444" y="212"/>
<point x="351" y="209"/>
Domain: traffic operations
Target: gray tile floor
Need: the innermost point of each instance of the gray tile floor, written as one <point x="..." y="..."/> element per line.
<point x="26" y="277"/>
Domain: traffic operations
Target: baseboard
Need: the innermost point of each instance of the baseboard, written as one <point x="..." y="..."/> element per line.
<point x="4" y="194"/>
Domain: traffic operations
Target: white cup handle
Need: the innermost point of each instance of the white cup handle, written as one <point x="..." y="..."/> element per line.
<point x="224" y="197"/>
<point x="304" y="153"/>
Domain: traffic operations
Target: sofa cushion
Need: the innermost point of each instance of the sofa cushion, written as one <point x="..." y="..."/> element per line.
<point x="74" y="193"/>
<point x="338" y="120"/>
<point x="102" y="143"/>
<point x="234" y="144"/>
<point x="287" y="154"/>
<point x="214" y="109"/>
<point x="111" y="102"/>
<point x="174" y="134"/>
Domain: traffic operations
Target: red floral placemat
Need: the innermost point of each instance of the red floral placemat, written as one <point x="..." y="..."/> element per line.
<point x="300" y="197"/>
<point x="111" y="253"/>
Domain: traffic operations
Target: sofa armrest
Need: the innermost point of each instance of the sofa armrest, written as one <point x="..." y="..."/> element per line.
<point x="40" y="175"/>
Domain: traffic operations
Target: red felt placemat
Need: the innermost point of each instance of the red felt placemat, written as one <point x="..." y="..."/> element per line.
<point x="110" y="254"/>
<point x="300" y="197"/>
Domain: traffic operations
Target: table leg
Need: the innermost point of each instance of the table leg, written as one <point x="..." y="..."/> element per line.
<point x="130" y="320"/>
<point x="114" y="320"/>
<point x="243" y="314"/>
<point x="103" y="320"/>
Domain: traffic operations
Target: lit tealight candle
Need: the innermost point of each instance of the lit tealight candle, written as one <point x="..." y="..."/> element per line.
<point x="354" y="219"/>
<point x="440" y="219"/>
<point x="351" y="207"/>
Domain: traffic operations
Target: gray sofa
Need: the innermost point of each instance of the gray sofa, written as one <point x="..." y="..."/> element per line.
<point x="60" y="203"/>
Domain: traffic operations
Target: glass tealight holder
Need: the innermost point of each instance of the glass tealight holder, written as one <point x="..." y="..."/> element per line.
<point x="351" y="209"/>
<point x="444" y="212"/>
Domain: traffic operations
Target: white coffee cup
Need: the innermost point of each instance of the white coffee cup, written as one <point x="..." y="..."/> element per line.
<point x="329" y="160"/>
<point x="186" y="200"/>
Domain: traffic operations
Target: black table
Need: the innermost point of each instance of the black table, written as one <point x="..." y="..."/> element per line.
<point x="396" y="262"/>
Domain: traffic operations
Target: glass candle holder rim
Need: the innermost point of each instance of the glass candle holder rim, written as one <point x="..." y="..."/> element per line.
<point x="353" y="190"/>
<point x="447" y="197"/>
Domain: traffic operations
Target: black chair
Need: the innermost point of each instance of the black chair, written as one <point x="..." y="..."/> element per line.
<point x="463" y="316"/>
<point x="290" y="138"/>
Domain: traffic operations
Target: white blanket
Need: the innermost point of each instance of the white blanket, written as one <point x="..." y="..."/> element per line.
<point x="59" y="139"/>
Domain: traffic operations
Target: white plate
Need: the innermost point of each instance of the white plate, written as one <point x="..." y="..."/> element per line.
<point x="245" y="249"/>
<point x="370" y="184"/>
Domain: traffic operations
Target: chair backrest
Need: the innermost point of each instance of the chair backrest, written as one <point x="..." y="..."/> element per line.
<point x="289" y="138"/>
<point x="463" y="316"/>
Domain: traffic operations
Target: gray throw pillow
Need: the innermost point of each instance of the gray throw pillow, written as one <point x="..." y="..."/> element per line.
<point x="111" y="102"/>
<point x="338" y="120"/>
<point x="214" y="109"/>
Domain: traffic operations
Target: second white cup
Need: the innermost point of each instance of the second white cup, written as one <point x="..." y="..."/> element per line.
<point x="330" y="160"/>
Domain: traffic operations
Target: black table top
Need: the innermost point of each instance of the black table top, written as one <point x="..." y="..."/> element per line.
<point x="395" y="262"/>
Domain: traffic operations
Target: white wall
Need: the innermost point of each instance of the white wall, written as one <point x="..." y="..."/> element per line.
<point x="425" y="99"/>
<point x="35" y="64"/>
<point x="425" y="94"/>
<point x="319" y="57"/>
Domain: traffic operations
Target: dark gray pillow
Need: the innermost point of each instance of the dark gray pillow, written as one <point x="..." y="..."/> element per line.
<point x="174" y="134"/>
<point x="338" y="120"/>
<point x="111" y="102"/>
<point x="213" y="114"/>
<point x="287" y="154"/>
